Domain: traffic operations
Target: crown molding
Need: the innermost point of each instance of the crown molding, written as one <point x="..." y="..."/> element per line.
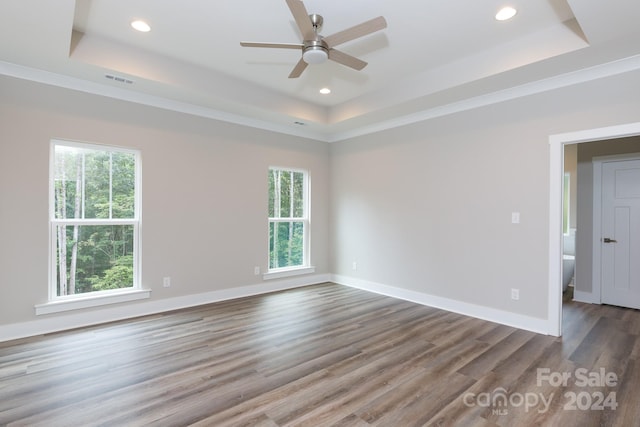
<point x="608" y="69"/>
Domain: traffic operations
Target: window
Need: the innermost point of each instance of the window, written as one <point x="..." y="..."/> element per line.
<point x="94" y="220"/>
<point x="288" y="219"/>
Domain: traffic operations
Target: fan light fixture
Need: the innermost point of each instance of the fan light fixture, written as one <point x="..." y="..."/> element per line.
<point x="315" y="55"/>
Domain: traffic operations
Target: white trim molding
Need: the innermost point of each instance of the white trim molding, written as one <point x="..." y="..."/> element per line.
<point x="324" y="132"/>
<point x="288" y="272"/>
<point x="502" y="317"/>
<point x="61" y="322"/>
<point x="88" y="301"/>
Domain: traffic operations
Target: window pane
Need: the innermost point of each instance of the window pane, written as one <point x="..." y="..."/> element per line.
<point x="123" y="185"/>
<point x="97" y="184"/>
<point x="285" y="194"/>
<point x="286" y="244"/>
<point x="67" y="184"/>
<point x="94" y="258"/>
<point x="93" y="184"/>
<point x="298" y="195"/>
<point x="273" y="178"/>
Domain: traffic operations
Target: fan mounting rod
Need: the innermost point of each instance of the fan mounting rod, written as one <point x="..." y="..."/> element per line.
<point x="316" y="21"/>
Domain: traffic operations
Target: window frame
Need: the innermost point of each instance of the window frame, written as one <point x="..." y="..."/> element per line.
<point x="58" y="302"/>
<point x="305" y="267"/>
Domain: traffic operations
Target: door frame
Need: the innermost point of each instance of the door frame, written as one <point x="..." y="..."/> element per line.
<point x="557" y="143"/>
<point x="596" y="274"/>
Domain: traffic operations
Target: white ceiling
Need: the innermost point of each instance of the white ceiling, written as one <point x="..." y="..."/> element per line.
<point x="435" y="56"/>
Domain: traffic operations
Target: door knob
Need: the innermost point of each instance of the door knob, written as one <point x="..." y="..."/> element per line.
<point x="608" y="240"/>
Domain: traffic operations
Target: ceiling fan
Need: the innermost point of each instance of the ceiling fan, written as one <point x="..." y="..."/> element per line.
<point x="316" y="49"/>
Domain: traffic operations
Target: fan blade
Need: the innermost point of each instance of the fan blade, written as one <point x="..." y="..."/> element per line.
<point x="363" y="29"/>
<point x="345" y="59"/>
<point x="276" y="45"/>
<point x="300" y="14"/>
<point x="298" y="69"/>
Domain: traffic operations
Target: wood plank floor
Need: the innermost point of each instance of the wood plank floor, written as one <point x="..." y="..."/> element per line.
<point x="326" y="355"/>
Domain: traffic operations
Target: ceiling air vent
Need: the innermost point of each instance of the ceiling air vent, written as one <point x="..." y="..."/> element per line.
<point x="118" y="79"/>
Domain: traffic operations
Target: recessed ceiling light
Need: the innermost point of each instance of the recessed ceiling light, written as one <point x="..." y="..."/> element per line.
<point x="325" y="91"/>
<point x="506" y="13"/>
<point x="141" y="26"/>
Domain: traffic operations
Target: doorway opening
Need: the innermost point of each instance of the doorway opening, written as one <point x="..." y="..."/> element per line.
<point x="556" y="192"/>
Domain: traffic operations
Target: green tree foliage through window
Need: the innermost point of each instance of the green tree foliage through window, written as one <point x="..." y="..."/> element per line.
<point x="94" y="221"/>
<point x="288" y="218"/>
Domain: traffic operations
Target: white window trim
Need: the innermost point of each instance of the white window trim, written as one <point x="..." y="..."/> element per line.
<point x="306" y="267"/>
<point x="94" y="299"/>
<point x="57" y="303"/>
<point x="280" y="273"/>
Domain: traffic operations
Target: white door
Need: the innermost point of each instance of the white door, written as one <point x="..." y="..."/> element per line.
<point x="620" y="233"/>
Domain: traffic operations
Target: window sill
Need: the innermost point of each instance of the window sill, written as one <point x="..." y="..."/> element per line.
<point x="89" y="301"/>
<point x="288" y="272"/>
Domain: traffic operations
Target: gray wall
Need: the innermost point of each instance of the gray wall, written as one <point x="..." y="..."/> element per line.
<point x="204" y="200"/>
<point x="427" y="207"/>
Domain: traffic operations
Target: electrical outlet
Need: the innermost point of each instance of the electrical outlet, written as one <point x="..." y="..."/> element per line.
<point x="166" y="282"/>
<point x="515" y="294"/>
<point x="256" y="270"/>
<point x="354" y="266"/>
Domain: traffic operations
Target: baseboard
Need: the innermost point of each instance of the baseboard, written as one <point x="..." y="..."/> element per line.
<point x="534" y="324"/>
<point x="61" y="322"/>
<point x="587" y="297"/>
